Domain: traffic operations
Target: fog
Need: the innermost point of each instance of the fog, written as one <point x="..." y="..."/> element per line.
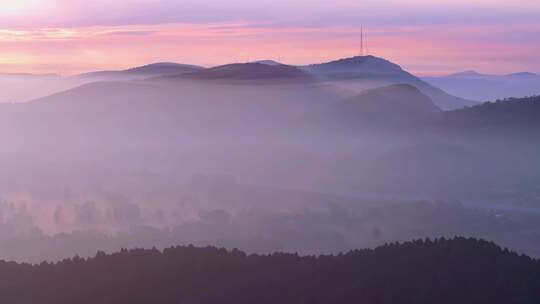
<point x="26" y="87"/>
<point x="262" y="158"/>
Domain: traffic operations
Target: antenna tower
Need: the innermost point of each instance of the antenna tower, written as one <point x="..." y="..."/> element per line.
<point x="361" y="40"/>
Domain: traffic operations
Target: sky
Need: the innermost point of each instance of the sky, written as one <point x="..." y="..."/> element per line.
<point x="426" y="37"/>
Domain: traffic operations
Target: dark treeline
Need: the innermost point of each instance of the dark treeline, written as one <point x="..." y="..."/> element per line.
<point x="330" y="229"/>
<point x="503" y="113"/>
<point x="459" y="270"/>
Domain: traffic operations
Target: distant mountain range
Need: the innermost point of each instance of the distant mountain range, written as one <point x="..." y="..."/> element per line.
<point x="355" y="74"/>
<point x="392" y="138"/>
<point x="471" y="74"/>
<point x="357" y="123"/>
<point x="484" y="87"/>
<point x="142" y="72"/>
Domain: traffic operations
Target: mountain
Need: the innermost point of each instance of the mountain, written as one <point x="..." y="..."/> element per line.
<point x="248" y="72"/>
<point x="366" y="72"/>
<point x="401" y="99"/>
<point x="146" y="71"/>
<point x="469" y="73"/>
<point x="484" y="87"/>
<point x="466" y="152"/>
<point x="255" y="121"/>
<point x="355" y="67"/>
<point x="386" y="106"/>
<point x="518" y="115"/>
<point x="163" y="68"/>
<point x="475" y="74"/>
<point x="458" y="270"/>
<point x="174" y="104"/>
<point x="268" y="62"/>
<point x="353" y="74"/>
<point x="524" y="75"/>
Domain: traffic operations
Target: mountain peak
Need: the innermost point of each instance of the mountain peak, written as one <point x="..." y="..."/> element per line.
<point x="249" y="71"/>
<point x="523" y="74"/>
<point x="351" y="60"/>
<point x="468" y="73"/>
<point x="163" y="66"/>
<point x="145" y="71"/>
<point x="358" y="64"/>
<point x="268" y="62"/>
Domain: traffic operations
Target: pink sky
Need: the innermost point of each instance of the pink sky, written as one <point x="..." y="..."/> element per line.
<point x="69" y="37"/>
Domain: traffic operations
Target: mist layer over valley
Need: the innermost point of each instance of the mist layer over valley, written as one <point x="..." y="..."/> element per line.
<point x="263" y="157"/>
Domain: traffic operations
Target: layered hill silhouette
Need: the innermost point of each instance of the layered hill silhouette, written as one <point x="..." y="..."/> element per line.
<point x="511" y="119"/>
<point x="195" y="102"/>
<point x="394" y="107"/>
<point x="355" y="74"/>
<point x="185" y="106"/>
<point x="466" y="150"/>
<point x="484" y="87"/>
<point x="292" y="108"/>
<point x="392" y="103"/>
<point x="502" y="113"/>
<point x="442" y="271"/>
<point x="365" y="72"/>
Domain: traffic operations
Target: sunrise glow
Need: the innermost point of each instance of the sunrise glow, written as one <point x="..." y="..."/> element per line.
<point x="42" y="36"/>
<point x="19" y="7"/>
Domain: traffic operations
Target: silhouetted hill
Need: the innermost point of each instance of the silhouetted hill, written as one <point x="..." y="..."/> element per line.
<point x="365" y="72"/>
<point x="106" y="110"/>
<point x="249" y="72"/>
<point x="270" y="127"/>
<point x="468" y="150"/>
<point x="443" y="271"/>
<point x="355" y="66"/>
<point x="146" y="71"/>
<point x="392" y="106"/>
<point x="476" y="75"/>
<point x="399" y="99"/>
<point x="269" y="62"/>
<point x="469" y="73"/>
<point x="513" y="115"/>
<point x="524" y="75"/>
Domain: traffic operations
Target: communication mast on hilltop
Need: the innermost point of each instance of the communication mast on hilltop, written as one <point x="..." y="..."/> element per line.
<point x="361" y="40"/>
<point x="364" y="50"/>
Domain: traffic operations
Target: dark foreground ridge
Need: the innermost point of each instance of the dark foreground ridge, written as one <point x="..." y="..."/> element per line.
<point x="442" y="271"/>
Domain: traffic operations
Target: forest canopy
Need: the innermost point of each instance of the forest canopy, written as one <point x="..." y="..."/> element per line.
<point x="458" y="270"/>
